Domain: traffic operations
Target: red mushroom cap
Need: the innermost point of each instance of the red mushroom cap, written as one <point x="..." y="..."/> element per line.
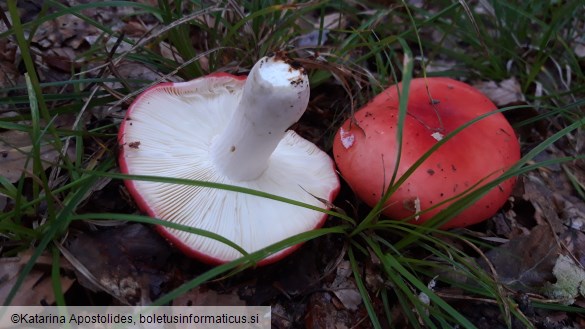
<point x="365" y="150"/>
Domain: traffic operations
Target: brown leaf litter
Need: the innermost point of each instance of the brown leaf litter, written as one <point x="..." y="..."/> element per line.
<point x="37" y="288"/>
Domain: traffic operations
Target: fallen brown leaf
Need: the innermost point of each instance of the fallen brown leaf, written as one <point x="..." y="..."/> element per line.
<point x="15" y="154"/>
<point x="501" y="93"/>
<point x="66" y="30"/>
<point x="128" y="262"/>
<point x="344" y="288"/>
<point x="37" y="288"/>
<point x="538" y="194"/>
<point x="526" y="263"/>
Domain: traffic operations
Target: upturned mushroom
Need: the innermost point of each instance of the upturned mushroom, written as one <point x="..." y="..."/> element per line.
<point x="231" y="130"/>
<point x="365" y="150"/>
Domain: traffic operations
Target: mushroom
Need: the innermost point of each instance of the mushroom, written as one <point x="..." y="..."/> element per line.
<point x="365" y="150"/>
<point x="231" y="130"/>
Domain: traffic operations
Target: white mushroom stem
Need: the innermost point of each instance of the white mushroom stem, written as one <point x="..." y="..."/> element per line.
<point x="275" y="96"/>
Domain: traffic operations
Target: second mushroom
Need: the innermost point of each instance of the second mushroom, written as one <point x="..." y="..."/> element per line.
<point x="366" y="149"/>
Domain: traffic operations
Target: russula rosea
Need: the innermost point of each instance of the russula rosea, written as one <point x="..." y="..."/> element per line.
<point x="365" y="150"/>
<point x="232" y="130"/>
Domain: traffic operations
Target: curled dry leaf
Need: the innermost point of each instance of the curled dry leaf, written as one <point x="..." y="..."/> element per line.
<point x="15" y="154"/>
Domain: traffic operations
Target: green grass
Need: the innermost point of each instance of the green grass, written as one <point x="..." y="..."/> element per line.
<point x="531" y="41"/>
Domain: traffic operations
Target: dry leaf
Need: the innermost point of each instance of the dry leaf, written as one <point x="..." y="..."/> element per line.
<point x="127" y="262"/>
<point x="37" y="288"/>
<point x="62" y="59"/>
<point x="281" y="317"/>
<point x="332" y="21"/>
<point x="8" y="75"/>
<point x="321" y="313"/>
<point x="8" y="70"/>
<point x="502" y="93"/>
<point x="15" y="154"/>
<point x="439" y="65"/>
<point x="574" y="241"/>
<point x="526" y="262"/>
<point x="538" y="194"/>
<point x="134" y="71"/>
<point x="66" y="30"/>
<point x="344" y="287"/>
<point x="134" y="29"/>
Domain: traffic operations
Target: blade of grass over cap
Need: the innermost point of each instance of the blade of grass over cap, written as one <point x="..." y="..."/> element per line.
<point x="402" y="110"/>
